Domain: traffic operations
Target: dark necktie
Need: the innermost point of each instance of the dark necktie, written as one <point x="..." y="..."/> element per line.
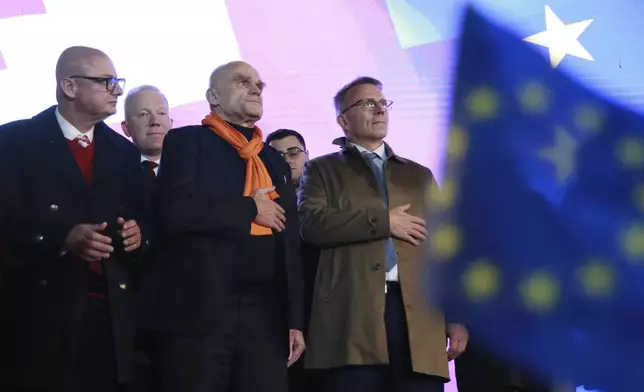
<point x="149" y="167"/>
<point x="376" y="163"/>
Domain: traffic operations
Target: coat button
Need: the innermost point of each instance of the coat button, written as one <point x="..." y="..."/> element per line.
<point x="53" y="207"/>
<point x="62" y="252"/>
<point x="123" y="286"/>
<point x="377" y="266"/>
<point x="43" y="282"/>
<point x="39" y="238"/>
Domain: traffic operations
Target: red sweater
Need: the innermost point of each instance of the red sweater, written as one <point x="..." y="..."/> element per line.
<point x="85" y="159"/>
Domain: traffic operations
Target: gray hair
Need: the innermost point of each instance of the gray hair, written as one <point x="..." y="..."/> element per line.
<point x="136" y="90"/>
<point x="341" y="95"/>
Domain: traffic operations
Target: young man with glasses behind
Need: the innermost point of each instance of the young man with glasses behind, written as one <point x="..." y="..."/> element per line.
<point x="291" y="145"/>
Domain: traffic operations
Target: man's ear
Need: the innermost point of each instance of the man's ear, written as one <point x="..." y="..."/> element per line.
<point x="342" y="122"/>
<point x="68" y="87"/>
<point x="212" y="97"/>
<point x="124" y="128"/>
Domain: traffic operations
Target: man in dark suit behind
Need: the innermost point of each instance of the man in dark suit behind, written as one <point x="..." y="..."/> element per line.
<point x="147" y="121"/>
<point x="292" y="146"/>
<point x="70" y="201"/>
<point x="225" y="291"/>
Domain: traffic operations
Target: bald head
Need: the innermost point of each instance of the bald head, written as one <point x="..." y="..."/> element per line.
<point x="223" y="72"/>
<point x="86" y="84"/>
<point x="76" y="60"/>
<point x="235" y="93"/>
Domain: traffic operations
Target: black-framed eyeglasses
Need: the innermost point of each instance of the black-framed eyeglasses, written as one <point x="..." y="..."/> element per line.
<point x="110" y="82"/>
<point x="370" y="105"/>
<point x="291" y="152"/>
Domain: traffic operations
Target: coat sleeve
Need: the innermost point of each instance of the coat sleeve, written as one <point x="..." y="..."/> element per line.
<point x="326" y="226"/>
<point x="30" y="231"/>
<point x="182" y="209"/>
<point x="143" y="213"/>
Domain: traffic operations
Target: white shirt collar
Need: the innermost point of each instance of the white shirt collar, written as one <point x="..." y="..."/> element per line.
<point x="380" y="151"/>
<point x="144" y="158"/>
<point x="69" y="131"/>
<point x="157" y="161"/>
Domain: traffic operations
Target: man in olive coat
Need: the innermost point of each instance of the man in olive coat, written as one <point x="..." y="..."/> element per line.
<point x="370" y="325"/>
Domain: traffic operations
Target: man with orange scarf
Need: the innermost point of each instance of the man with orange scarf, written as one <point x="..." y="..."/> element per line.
<point x="225" y="292"/>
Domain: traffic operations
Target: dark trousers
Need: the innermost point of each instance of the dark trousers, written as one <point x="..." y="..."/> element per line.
<point x="398" y="375"/>
<point x="304" y="380"/>
<point x="94" y="365"/>
<point x="247" y="353"/>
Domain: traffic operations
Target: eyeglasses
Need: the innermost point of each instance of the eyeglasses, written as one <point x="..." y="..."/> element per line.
<point x="110" y="82"/>
<point x="370" y="105"/>
<point x="291" y="152"/>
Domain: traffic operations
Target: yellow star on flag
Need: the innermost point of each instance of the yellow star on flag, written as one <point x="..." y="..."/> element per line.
<point x="561" y="39"/>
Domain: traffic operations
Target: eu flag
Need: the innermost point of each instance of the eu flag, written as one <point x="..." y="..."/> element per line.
<point x="537" y="232"/>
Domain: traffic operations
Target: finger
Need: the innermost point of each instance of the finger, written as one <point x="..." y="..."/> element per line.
<point x="411" y="240"/>
<point x="120" y="221"/>
<point x="264" y="191"/>
<point x="280" y="216"/>
<point x="452" y="351"/>
<point x="97" y="237"/>
<point x="100" y="227"/>
<point x="130" y="224"/>
<point x="132" y="240"/>
<point x="297" y="353"/>
<point x="277" y="225"/>
<point x="131" y="232"/>
<point x="417" y="220"/>
<point x="420" y="229"/>
<point x="403" y="207"/>
<point x="94" y="255"/>
<point x="132" y="247"/>
<point x="462" y="346"/>
<point x="291" y="341"/>
<point x="99" y="247"/>
<point x="418" y="235"/>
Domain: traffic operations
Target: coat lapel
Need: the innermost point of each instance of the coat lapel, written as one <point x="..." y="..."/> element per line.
<point x="57" y="154"/>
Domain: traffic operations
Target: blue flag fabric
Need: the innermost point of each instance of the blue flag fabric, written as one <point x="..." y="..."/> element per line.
<point x="537" y="232"/>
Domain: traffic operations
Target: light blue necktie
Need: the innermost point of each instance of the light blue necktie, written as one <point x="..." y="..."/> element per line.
<point x="376" y="163"/>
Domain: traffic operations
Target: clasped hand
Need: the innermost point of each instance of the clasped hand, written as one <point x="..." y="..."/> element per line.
<point x="87" y="242"/>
